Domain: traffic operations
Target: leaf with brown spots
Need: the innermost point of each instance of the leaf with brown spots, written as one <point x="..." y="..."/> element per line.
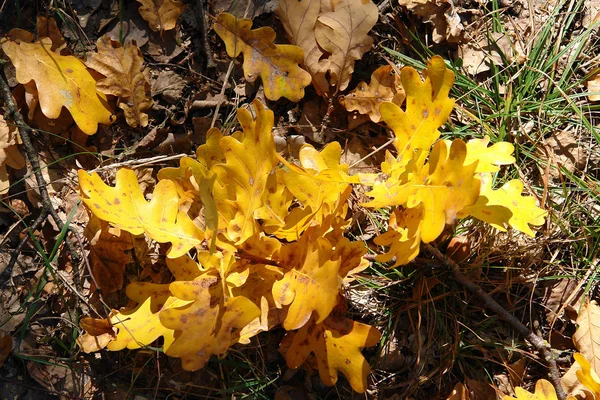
<point x="276" y="64"/>
<point x="250" y="159"/>
<point x="122" y="67"/>
<point x="140" y="326"/>
<point x="205" y="329"/>
<point x="385" y="86"/>
<point x="161" y="15"/>
<point x="125" y="207"/>
<point x="61" y="81"/>
<point x="336" y="343"/>
<point x="313" y="283"/>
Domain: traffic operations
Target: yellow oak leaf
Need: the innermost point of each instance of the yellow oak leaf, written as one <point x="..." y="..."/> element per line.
<point x="333" y="35"/>
<point x="385" y="86"/>
<point x="9" y="153"/>
<point x="125" y="207"/>
<point x="403" y="236"/>
<point x="505" y="207"/>
<point x="587" y="375"/>
<point x="444" y="186"/>
<point x="337" y="344"/>
<point x="184" y="268"/>
<point x="319" y="183"/>
<point x="489" y="158"/>
<point x="108" y="256"/>
<point x="141" y="325"/>
<point x="351" y="255"/>
<point x="312" y="284"/>
<point x="161" y="15"/>
<point x="205" y="330"/>
<point x="244" y="175"/>
<point x="276" y="64"/>
<point x="60" y="81"/>
<point x="276" y="204"/>
<point x="427" y="108"/>
<point x="543" y="391"/>
<point x="122" y="67"/>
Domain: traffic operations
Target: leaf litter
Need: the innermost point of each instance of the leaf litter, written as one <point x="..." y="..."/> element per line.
<point x="336" y="64"/>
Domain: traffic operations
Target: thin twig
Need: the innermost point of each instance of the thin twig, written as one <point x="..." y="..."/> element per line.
<point x="12" y="114"/>
<point x="537" y="342"/>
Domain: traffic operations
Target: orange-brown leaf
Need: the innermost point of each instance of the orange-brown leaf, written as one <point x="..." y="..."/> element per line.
<point x="385" y="85"/>
<point x="161" y="15"/>
<point x="124" y="78"/>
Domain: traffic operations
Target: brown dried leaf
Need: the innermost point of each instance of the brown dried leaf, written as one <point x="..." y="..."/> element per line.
<point x="333" y="36"/>
<point x="9" y="153"/>
<point x="161" y="15"/>
<point x="593" y="86"/>
<point x="441" y="13"/>
<point x="385" y="86"/>
<point x="123" y="69"/>
<point x="46" y="27"/>
<point x="5" y="346"/>
<point x="459" y="392"/>
<point x="107" y="253"/>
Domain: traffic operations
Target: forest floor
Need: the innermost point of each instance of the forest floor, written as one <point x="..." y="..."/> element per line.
<point x="523" y="73"/>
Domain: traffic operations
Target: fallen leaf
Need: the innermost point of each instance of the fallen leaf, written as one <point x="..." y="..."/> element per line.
<point x="384" y="86"/>
<point x="459" y="392"/>
<point x="543" y="391"/>
<point x="276" y="64"/>
<point x="337" y="345"/>
<point x="506" y="206"/>
<point x="46" y="27"/>
<point x="169" y="85"/>
<point x="10" y="155"/>
<point x="442" y="14"/>
<point x="332" y="35"/>
<point x="161" y="15"/>
<point x="315" y="272"/>
<point x="108" y="256"/>
<point x="205" y="329"/>
<point x="125" y="207"/>
<point x="60" y="81"/>
<point x="124" y="78"/>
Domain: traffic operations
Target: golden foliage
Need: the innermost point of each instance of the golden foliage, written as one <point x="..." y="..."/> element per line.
<point x="61" y="81"/>
<point x="276" y="64"/>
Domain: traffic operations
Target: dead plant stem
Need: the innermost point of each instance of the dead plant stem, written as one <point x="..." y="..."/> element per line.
<point x="537" y="342"/>
<point x="12" y="114"/>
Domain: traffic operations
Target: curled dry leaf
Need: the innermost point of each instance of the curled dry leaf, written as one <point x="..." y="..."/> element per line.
<point x="46" y="27"/>
<point x="333" y="36"/>
<point x="124" y="78"/>
<point x="60" y="81"/>
<point x="276" y="64"/>
<point x="161" y="15"/>
<point x="108" y="255"/>
<point x="385" y="86"/>
<point x="441" y="13"/>
<point x="9" y="153"/>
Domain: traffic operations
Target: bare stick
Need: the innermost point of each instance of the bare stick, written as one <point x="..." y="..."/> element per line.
<point x="537" y="342"/>
<point x="13" y="114"/>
